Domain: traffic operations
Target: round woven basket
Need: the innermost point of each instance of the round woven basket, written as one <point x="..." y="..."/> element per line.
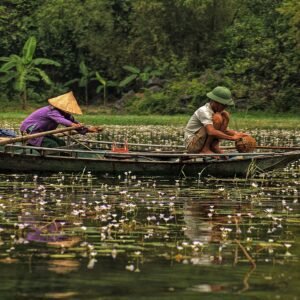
<point x="245" y="144"/>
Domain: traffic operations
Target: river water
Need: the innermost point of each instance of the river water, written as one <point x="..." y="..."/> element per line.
<point x="78" y="236"/>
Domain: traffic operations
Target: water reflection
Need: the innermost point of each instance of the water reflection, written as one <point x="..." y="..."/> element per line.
<point x="51" y="233"/>
<point x="183" y="237"/>
<point x="63" y="266"/>
<point x="200" y="224"/>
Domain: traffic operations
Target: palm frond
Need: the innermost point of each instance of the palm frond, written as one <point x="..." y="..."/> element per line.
<point x="112" y="83"/>
<point x="33" y="78"/>
<point x="8" y="66"/>
<point x="83" y="68"/>
<point x="127" y="80"/>
<point x="100" y="78"/>
<point x="4" y="58"/>
<point x="83" y="81"/>
<point x="43" y="75"/>
<point x="45" y="61"/>
<point x="132" y="69"/>
<point x="71" y="81"/>
<point x="29" y="49"/>
<point x="7" y="77"/>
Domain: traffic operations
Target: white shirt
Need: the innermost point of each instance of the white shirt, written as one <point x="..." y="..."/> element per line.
<point x="201" y="117"/>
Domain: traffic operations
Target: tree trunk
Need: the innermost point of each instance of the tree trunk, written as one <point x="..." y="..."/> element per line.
<point x="24" y="99"/>
<point x="86" y="95"/>
<point x="104" y="95"/>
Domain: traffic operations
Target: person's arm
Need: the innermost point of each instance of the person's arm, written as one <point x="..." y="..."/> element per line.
<point x="225" y="114"/>
<point x="233" y="132"/>
<point x="57" y="117"/>
<point x="211" y="131"/>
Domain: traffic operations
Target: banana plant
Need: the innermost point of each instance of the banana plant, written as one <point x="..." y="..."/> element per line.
<point x="24" y="69"/>
<point x="138" y="75"/>
<point x="83" y="81"/>
<point x="103" y="85"/>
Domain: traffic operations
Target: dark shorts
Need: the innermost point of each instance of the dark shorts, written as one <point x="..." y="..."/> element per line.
<point x="51" y="141"/>
<point x="196" y="142"/>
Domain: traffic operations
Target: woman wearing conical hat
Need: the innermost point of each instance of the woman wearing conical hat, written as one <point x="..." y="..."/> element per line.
<point x="59" y="112"/>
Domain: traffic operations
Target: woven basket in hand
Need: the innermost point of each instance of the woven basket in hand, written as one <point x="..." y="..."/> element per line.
<point x="245" y="144"/>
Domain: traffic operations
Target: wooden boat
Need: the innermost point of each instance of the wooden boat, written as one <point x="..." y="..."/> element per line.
<point x="19" y="158"/>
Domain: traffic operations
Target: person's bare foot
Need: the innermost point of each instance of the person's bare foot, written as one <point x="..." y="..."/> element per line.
<point x="208" y="151"/>
<point x="215" y="147"/>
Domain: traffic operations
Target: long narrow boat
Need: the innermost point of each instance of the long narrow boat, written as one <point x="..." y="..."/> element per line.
<point x="19" y="158"/>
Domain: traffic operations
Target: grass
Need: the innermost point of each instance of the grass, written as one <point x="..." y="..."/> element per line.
<point x="239" y="120"/>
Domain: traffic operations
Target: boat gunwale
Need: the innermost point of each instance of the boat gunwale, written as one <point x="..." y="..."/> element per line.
<point x="106" y="153"/>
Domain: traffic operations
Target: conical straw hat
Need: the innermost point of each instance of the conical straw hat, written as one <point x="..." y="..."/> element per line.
<point x="67" y="103"/>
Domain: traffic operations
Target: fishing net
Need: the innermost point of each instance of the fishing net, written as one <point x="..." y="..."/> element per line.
<point x="245" y="144"/>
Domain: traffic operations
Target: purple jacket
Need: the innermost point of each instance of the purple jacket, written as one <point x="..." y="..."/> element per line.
<point x="44" y="119"/>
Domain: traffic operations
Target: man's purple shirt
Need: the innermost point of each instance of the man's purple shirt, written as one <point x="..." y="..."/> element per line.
<point x="44" y="119"/>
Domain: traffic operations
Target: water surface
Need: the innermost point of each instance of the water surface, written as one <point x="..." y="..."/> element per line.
<point x="78" y="236"/>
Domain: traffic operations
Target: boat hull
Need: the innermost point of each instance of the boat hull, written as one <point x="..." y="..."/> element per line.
<point x="240" y="167"/>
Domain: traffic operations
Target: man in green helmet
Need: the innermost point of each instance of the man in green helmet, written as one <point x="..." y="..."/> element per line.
<point x="209" y="124"/>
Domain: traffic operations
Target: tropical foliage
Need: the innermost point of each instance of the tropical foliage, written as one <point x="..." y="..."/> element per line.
<point x="104" y="85"/>
<point x="251" y="46"/>
<point x="23" y="70"/>
<point x="83" y="81"/>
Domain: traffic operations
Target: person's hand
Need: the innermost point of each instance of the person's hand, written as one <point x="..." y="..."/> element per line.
<point x="237" y="136"/>
<point x="93" y="129"/>
<point x="244" y="134"/>
<point x="76" y="125"/>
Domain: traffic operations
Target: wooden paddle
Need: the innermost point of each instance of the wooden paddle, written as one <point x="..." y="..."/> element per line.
<point x="98" y="128"/>
<point x="82" y="144"/>
<point x="36" y="135"/>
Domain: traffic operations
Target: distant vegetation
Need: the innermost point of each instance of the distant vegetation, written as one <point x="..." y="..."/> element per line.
<point x="151" y="57"/>
<point x="238" y="120"/>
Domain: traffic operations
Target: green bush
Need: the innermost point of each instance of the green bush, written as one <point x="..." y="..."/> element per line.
<point x="149" y="103"/>
<point x="179" y="96"/>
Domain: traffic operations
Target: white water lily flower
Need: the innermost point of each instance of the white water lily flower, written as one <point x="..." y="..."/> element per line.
<point x="91" y="263"/>
<point x="287" y="246"/>
<point x="195" y="261"/>
<point x="130" y="268"/>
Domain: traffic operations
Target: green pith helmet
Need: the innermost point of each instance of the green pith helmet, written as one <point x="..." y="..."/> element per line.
<point x="222" y="95"/>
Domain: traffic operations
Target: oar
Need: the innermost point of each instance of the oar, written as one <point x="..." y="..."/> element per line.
<point x="78" y="142"/>
<point x="36" y="135"/>
<point x="99" y="129"/>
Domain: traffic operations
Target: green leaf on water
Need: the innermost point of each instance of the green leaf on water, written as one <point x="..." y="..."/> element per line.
<point x="62" y="256"/>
